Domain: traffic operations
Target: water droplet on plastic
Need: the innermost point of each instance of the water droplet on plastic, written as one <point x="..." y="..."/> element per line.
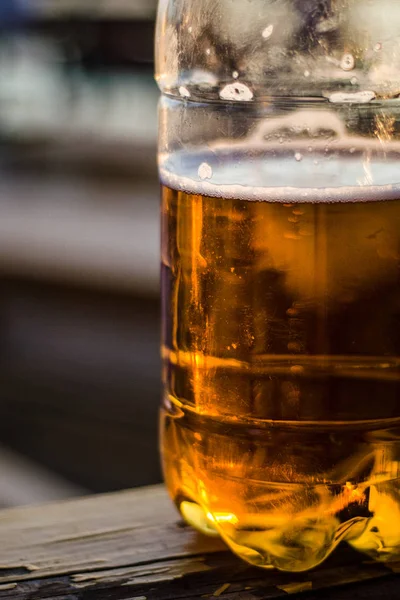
<point x="184" y="92"/>
<point x="236" y="91"/>
<point x="235" y="75"/>
<point x="205" y="171"/>
<point x="268" y="31"/>
<point x="347" y="63"/>
<point x="203" y="78"/>
<point x="352" y="97"/>
<point x="306" y="73"/>
<point x="208" y="51"/>
<point x="378" y="47"/>
<point x="354" y="81"/>
<point x="298" y="156"/>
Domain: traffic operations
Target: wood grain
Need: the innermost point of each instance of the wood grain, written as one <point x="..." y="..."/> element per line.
<point x="132" y="545"/>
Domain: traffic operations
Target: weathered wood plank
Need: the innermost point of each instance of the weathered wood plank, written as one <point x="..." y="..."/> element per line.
<point x="99" y="532"/>
<point x="132" y="545"/>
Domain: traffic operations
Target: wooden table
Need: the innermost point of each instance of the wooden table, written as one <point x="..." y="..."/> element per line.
<point x="132" y="545"/>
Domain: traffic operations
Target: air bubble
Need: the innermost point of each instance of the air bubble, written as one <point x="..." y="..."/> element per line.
<point x="298" y="156"/>
<point x="378" y="47"/>
<point x="236" y="91"/>
<point x="268" y="31"/>
<point x="208" y="51"/>
<point x="184" y="92"/>
<point x="347" y="63"/>
<point x="352" y="97"/>
<point x="354" y="81"/>
<point x="190" y="29"/>
<point x="294" y="347"/>
<point x="307" y="73"/>
<point x="235" y="75"/>
<point x="205" y="171"/>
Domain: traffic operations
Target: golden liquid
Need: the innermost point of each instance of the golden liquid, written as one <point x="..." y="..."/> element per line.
<point x="280" y="424"/>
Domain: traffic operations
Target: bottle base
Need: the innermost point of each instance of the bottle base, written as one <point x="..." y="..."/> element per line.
<point x="246" y="485"/>
<point x="299" y="543"/>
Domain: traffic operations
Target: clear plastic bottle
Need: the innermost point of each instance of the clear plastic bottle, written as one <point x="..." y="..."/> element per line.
<point x="279" y="161"/>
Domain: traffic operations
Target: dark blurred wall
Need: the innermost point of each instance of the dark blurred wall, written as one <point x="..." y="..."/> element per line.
<point x="79" y="382"/>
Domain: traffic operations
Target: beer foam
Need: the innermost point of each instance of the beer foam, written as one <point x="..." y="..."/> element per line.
<point x="337" y="174"/>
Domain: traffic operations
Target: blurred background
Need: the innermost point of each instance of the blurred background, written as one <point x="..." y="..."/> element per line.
<point x="79" y="238"/>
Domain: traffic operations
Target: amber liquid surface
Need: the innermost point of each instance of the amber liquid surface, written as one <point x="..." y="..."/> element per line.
<point x="281" y="344"/>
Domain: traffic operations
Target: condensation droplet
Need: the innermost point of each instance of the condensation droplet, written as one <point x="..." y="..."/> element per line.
<point x="347" y="63"/>
<point x="203" y="78"/>
<point x="298" y="156"/>
<point x="268" y="31"/>
<point x="235" y="75"/>
<point x="236" y="91"/>
<point x="352" y="97"/>
<point x="378" y="47"/>
<point x="184" y="92"/>
<point x="205" y="171"/>
<point x="306" y="73"/>
<point x="208" y="51"/>
<point x="354" y="81"/>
